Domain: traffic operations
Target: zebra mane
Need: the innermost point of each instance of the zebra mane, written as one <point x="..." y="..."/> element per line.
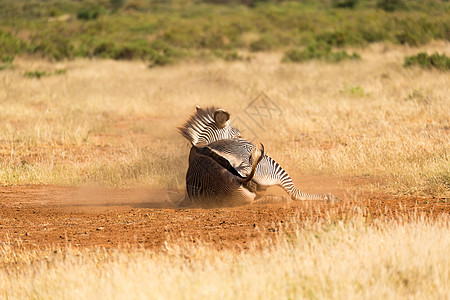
<point x="202" y="129"/>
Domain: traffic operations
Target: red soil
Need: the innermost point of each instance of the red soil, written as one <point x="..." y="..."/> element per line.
<point x="51" y="216"/>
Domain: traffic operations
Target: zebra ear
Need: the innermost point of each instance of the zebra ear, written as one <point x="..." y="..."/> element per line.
<point x="198" y="108"/>
<point x="221" y="117"/>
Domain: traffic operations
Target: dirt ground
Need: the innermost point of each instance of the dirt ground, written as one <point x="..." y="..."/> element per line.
<point x="37" y="216"/>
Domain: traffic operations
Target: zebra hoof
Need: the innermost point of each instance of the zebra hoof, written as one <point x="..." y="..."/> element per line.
<point x="251" y="186"/>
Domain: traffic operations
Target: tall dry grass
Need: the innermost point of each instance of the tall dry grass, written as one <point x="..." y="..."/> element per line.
<point x="323" y="260"/>
<point x="114" y="122"/>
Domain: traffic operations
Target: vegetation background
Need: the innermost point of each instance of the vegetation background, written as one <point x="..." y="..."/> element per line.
<point x="162" y="32"/>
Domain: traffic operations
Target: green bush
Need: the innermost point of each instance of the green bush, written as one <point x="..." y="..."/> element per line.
<point x="161" y="60"/>
<point x="138" y="49"/>
<point x="88" y="13"/>
<point x="392" y="5"/>
<point x="231" y="55"/>
<point x="342" y="55"/>
<point x="161" y="53"/>
<point x="35" y="74"/>
<point x="116" y="4"/>
<point x="340" y="38"/>
<point x="105" y="49"/>
<point x="345" y="3"/>
<point x="54" y="48"/>
<point x="38" y="74"/>
<point x="320" y="51"/>
<point x="313" y="51"/>
<point x="263" y="44"/>
<point x="60" y="71"/>
<point x="437" y="61"/>
<point x="417" y="30"/>
<point x="9" y="45"/>
<point x="7" y="61"/>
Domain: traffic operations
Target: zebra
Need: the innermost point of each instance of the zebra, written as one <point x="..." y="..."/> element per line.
<point x="211" y="181"/>
<point x="219" y="151"/>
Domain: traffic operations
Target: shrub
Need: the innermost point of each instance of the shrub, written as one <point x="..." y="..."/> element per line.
<point x="437" y="61"/>
<point x="35" y="74"/>
<point x="56" y="47"/>
<point x="7" y="61"/>
<point x="60" y="71"/>
<point x="161" y="53"/>
<point x="320" y="51"/>
<point x="38" y="74"/>
<point x="231" y="55"/>
<point x="9" y="45"/>
<point x="116" y="4"/>
<point x="342" y="55"/>
<point x="313" y="51"/>
<point x="417" y="30"/>
<point x="332" y="38"/>
<point x="345" y="3"/>
<point x="391" y="5"/>
<point x="410" y="38"/>
<point x="263" y="44"/>
<point x="105" y="49"/>
<point x="138" y="49"/>
<point x="88" y="13"/>
<point x="161" y="60"/>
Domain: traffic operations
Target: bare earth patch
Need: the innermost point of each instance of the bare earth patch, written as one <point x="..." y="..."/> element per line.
<point x="40" y="216"/>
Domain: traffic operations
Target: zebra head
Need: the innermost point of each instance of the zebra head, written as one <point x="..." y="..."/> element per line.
<point x="208" y="125"/>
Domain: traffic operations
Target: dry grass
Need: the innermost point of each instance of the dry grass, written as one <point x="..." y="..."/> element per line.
<point x="114" y="123"/>
<point x="325" y="260"/>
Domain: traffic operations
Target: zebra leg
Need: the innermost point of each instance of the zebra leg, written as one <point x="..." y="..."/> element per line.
<point x="272" y="199"/>
<point x="270" y="173"/>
